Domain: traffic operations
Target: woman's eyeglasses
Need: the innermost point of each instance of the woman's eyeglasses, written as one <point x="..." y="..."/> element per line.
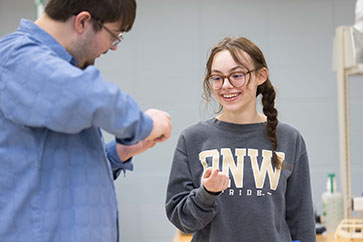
<point x="237" y="79"/>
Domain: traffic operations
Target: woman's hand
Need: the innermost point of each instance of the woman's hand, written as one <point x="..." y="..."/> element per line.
<point x="214" y="180"/>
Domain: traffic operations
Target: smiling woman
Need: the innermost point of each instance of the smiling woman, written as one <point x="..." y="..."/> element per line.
<point x="241" y="176"/>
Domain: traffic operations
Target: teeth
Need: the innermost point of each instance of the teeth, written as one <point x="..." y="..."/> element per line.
<point x="229" y="95"/>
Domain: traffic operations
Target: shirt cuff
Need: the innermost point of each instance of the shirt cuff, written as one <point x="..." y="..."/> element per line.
<point x="147" y="127"/>
<point x="116" y="164"/>
<point x="206" y="197"/>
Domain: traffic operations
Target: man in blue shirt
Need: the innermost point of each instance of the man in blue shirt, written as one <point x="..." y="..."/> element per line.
<point x="56" y="174"/>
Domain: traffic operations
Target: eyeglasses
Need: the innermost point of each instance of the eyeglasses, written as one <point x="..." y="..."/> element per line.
<point x="117" y="38"/>
<point x="237" y="79"/>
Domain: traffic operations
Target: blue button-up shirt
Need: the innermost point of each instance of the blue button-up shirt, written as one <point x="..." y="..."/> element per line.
<point x="56" y="177"/>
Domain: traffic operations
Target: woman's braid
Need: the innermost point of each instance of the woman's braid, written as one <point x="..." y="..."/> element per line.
<point x="268" y="101"/>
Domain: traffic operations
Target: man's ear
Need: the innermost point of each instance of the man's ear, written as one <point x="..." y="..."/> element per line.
<point x="82" y="20"/>
<point x="262" y="75"/>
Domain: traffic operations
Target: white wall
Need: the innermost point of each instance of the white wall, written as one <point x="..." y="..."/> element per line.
<point x="161" y="64"/>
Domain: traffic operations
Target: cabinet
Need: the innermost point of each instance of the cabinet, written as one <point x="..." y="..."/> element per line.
<point x="346" y="59"/>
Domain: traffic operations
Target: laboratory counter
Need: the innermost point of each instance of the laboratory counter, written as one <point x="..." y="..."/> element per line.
<point x="181" y="237"/>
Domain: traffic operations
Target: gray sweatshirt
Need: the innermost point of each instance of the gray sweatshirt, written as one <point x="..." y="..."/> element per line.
<point x="261" y="204"/>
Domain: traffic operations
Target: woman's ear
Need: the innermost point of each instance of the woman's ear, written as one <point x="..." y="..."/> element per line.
<point x="262" y="75"/>
<point x="81" y="21"/>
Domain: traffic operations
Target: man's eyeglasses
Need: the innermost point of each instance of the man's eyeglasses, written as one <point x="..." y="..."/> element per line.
<point x="237" y="79"/>
<point x="117" y="38"/>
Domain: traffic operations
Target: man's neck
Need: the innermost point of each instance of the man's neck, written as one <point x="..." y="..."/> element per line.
<point x="61" y="31"/>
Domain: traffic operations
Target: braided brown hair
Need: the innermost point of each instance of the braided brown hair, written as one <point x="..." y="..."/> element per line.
<point x="235" y="46"/>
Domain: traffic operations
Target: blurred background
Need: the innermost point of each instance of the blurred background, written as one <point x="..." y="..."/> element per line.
<point x="161" y="64"/>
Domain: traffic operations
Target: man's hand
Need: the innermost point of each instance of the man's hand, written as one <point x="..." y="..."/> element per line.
<point x="162" y="125"/>
<point x="214" y="180"/>
<point x="125" y="152"/>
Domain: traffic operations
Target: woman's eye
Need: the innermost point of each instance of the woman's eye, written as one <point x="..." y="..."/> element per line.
<point x="216" y="78"/>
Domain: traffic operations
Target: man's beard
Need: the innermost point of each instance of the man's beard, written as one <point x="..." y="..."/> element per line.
<point x="87" y="63"/>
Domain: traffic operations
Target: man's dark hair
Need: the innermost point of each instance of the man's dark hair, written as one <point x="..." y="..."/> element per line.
<point x="102" y="10"/>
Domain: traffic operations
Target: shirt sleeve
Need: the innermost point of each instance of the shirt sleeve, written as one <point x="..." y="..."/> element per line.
<point x="299" y="205"/>
<point x="188" y="207"/>
<point x="40" y="89"/>
<point x="116" y="164"/>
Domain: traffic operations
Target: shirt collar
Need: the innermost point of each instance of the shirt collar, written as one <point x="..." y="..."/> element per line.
<point x="37" y="33"/>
